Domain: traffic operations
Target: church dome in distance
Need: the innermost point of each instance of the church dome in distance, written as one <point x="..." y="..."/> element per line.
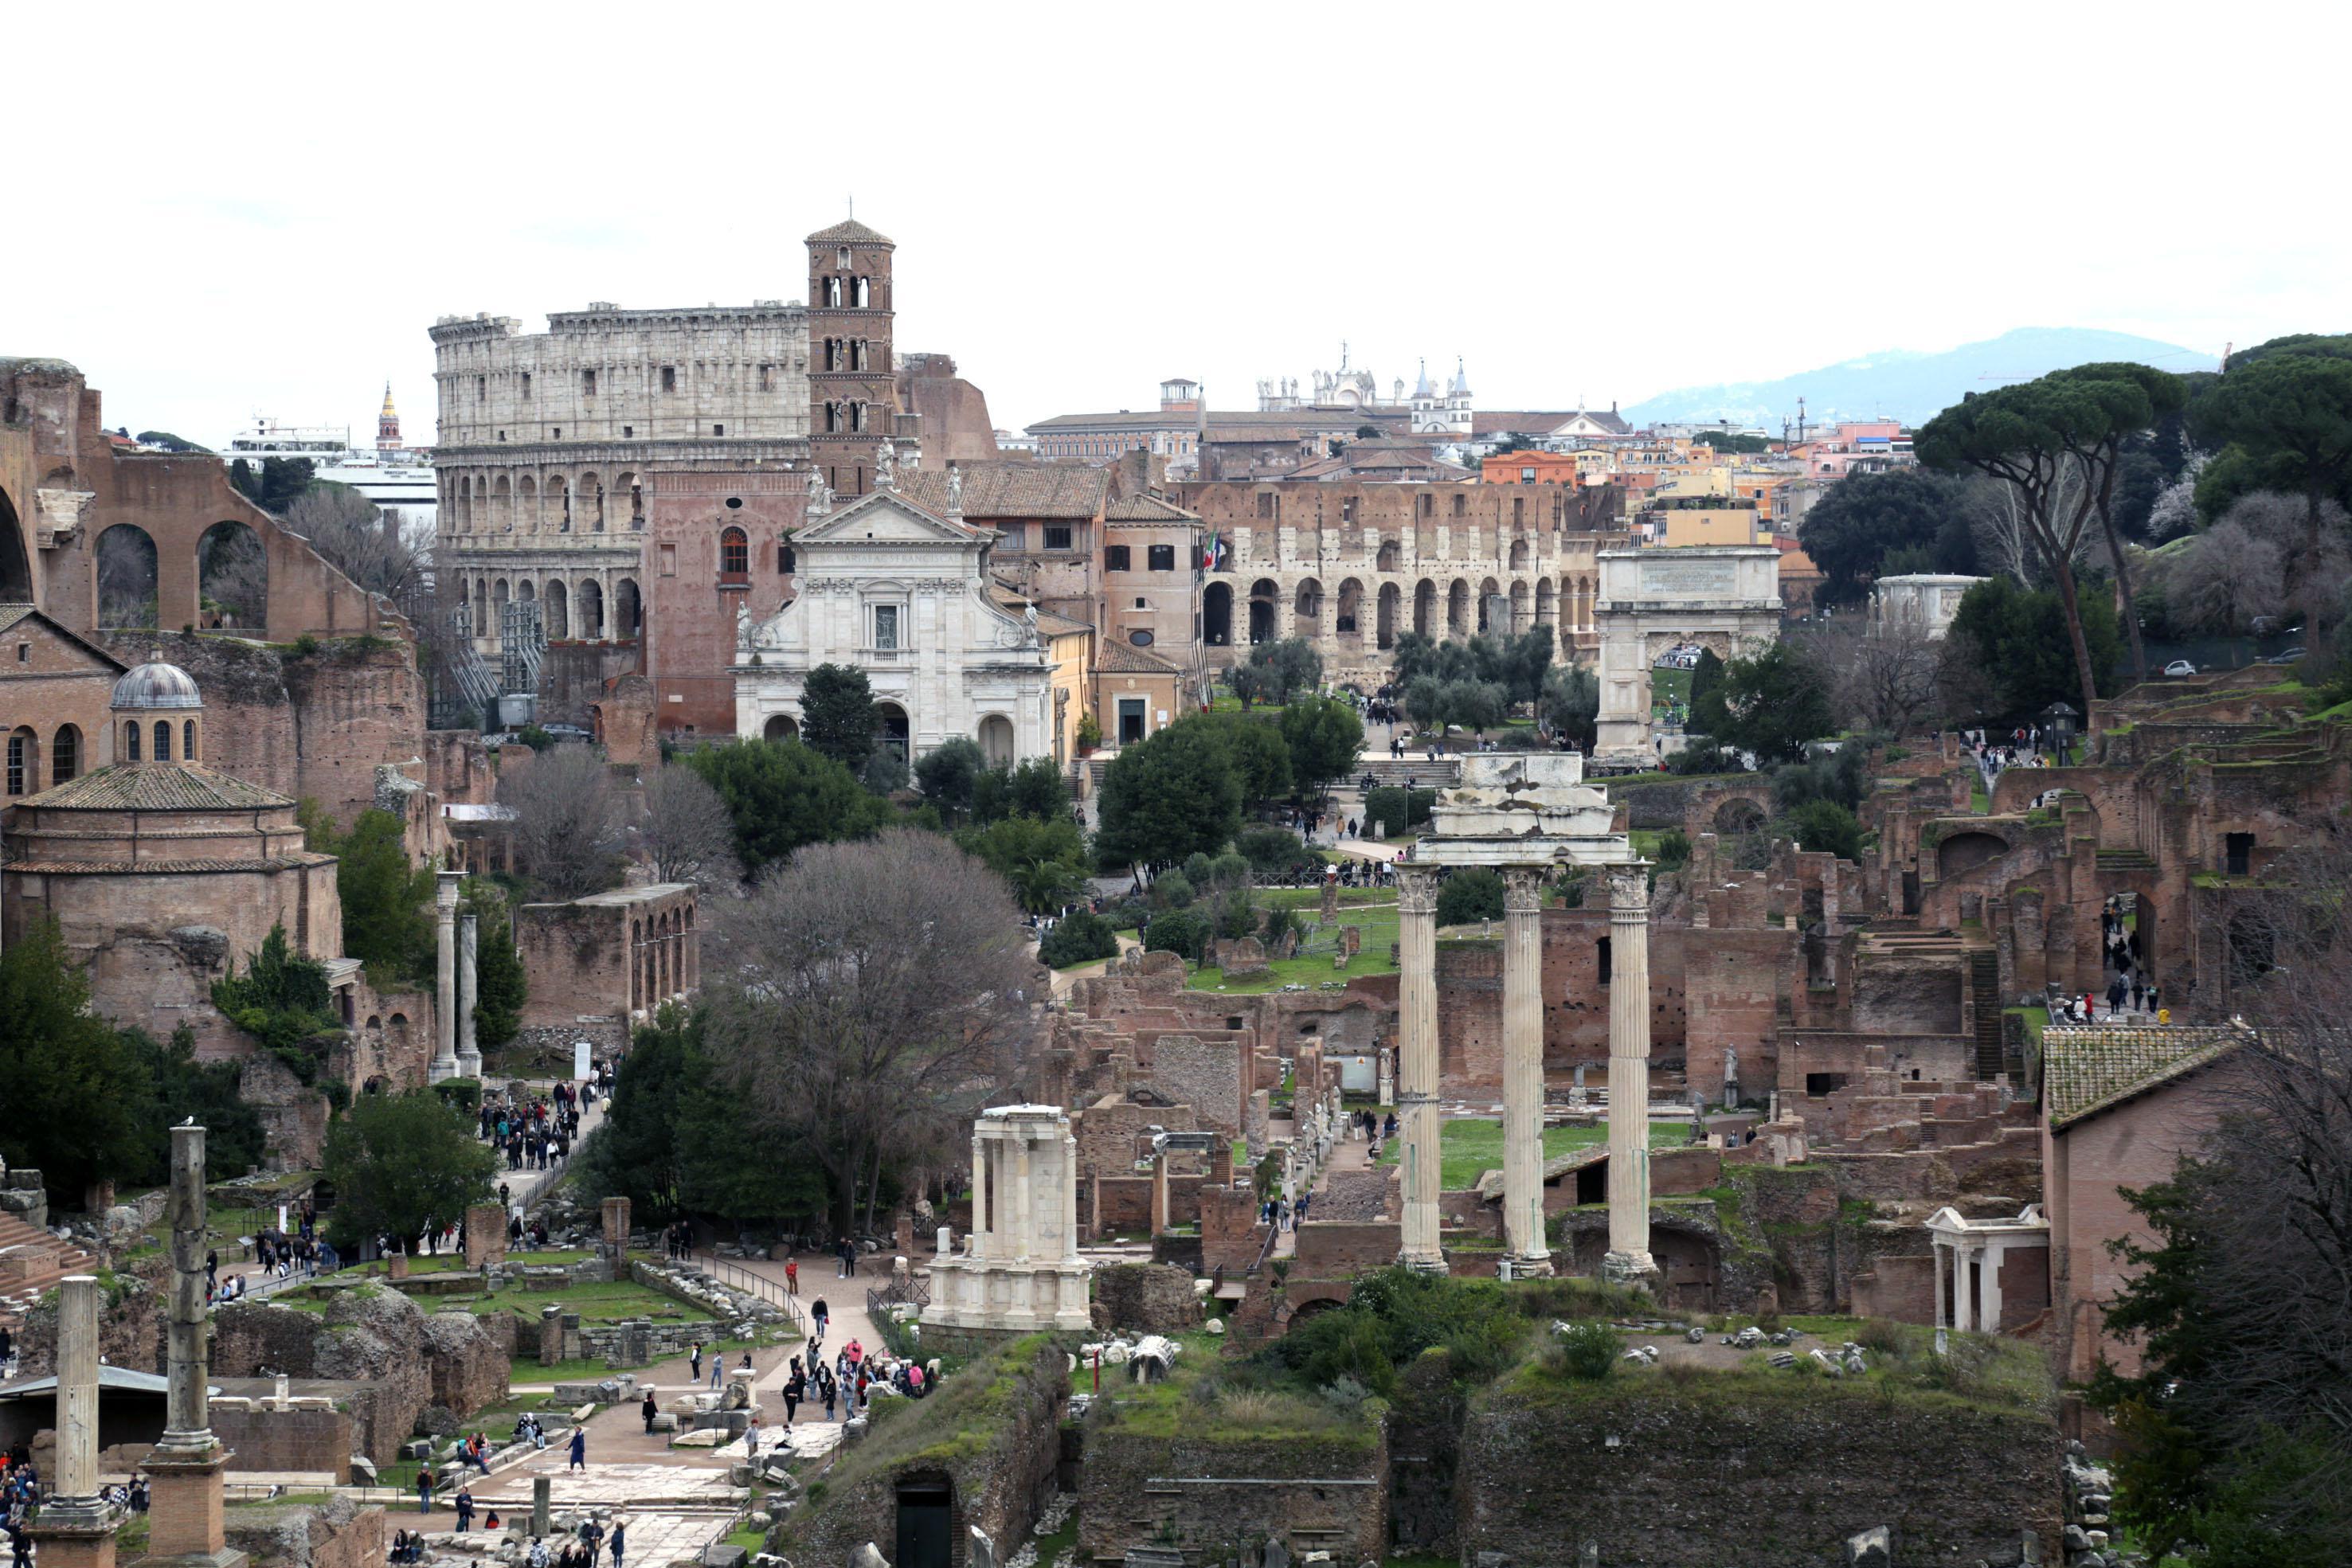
<point x="156" y="685"/>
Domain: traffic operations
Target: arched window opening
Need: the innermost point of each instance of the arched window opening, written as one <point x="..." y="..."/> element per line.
<point x="126" y="579"/>
<point x="130" y="740"/>
<point x="163" y="741"/>
<point x="188" y="740"/>
<point x="232" y="577"/>
<point x="557" y="609"/>
<point x="65" y="754"/>
<point x="734" y="555"/>
<point x="24" y="760"/>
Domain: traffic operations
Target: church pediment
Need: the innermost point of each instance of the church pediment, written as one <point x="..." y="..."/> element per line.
<point x="883" y="516"/>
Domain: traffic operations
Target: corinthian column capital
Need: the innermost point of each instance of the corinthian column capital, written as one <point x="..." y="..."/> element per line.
<point x="1417" y="889"/>
<point x="1523" y="888"/>
<point x="1629" y="889"/>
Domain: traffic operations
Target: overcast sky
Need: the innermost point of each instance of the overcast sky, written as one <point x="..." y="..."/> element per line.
<point x="220" y="211"/>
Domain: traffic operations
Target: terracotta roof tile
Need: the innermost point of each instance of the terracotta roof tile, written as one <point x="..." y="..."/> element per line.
<point x="156" y="787"/>
<point x="164" y="868"/>
<point x="1125" y="659"/>
<point x="2087" y="1070"/>
<point x="1147" y="509"/>
<point x="1011" y="489"/>
<point x="849" y="232"/>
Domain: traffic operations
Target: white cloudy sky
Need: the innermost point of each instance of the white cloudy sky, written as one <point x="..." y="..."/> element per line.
<point x="227" y="209"/>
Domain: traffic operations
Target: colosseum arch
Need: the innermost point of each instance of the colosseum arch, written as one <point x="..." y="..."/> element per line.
<point x="559" y="608"/>
<point x="1547" y="602"/>
<point x="1519" y="561"/>
<point x="502" y="505"/>
<point x="555" y="506"/>
<point x="1424" y="608"/>
<point x="1217" y="615"/>
<point x="592" y="609"/>
<point x="1386" y="627"/>
<point x="1519" y="622"/>
<point x="628" y="611"/>
<point x="627" y="491"/>
<point x="1488" y="589"/>
<point x="232" y="577"/>
<point x="1307" y="610"/>
<point x="1348" y="623"/>
<point x="1457" y="609"/>
<point x="1391" y="557"/>
<point x="128" y="580"/>
<point x="592" y="501"/>
<point x="1263" y="599"/>
<point x="525" y="514"/>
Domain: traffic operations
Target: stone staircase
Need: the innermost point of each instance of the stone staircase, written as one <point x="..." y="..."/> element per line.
<point x="2125" y="859"/>
<point x="31" y="1261"/>
<point x="1984" y="987"/>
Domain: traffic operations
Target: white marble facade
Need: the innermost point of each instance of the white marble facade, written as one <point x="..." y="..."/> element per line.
<point x="1021" y="1271"/>
<point x="902" y="593"/>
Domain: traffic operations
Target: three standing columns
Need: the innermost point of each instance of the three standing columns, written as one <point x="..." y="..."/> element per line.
<point x="1417" y="1065"/>
<point x="1523" y="1076"/>
<point x="1629" y="1260"/>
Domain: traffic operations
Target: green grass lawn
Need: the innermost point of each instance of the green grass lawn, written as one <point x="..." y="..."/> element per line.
<point x="1312" y="897"/>
<point x="1378" y="923"/>
<point x="1470" y="1144"/>
<point x="1669" y="688"/>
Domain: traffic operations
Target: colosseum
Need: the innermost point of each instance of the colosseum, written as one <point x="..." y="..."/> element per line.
<point x="1352" y="566"/>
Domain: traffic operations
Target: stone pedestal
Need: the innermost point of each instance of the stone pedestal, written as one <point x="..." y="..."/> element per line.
<point x="486" y="1234"/>
<point x="444" y="978"/>
<point x="1023" y="1271"/>
<point x="542" y="1488"/>
<point x="1629" y="1260"/>
<point x="616" y="1235"/>
<point x="1523" y="1089"/>
<point x="1416" y="1095"/>
<point x="551" y="1335"/>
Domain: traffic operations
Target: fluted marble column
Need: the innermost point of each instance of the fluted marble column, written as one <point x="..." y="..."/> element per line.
<point x="981" y="1223"/>
<point x="1523" y="1081"/>
<point x="185" y="1467"/>
<point x="1629" y="1260"/>
<point x="1417" y="1077"/>
<point x="444" y="988"/>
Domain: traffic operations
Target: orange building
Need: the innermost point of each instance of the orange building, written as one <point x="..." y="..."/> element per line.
<point x="1529" y="468"/>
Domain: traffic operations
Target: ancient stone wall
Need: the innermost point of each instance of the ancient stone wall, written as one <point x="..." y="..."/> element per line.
<point x="1146" y="1298"/>
<point x="1787" y="1465"/>
<point x="339" y="1533"/>
<point x="1311" y="1494"/>
<point x="283" y="1440"/>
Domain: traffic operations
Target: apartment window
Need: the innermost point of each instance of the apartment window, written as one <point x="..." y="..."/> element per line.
<point x="628" y="432"/>
<point x="1115" y="559"/>
<point x="526" y="384"/>
<point x="559" y="433"/>
<point x="1526" y="476"/>
<point x="23" y="653"/>
<point x="718" y="429"/>
<point x="1160" y="557"/>
<point x="734" y="555"/>
<point x="587" y="383"/>
<point x="785" y="560"/>
<point x="885" y="627"/>
<point x="1457" y="506"/>
<point x="1141" y="603"/>
<point x="669" y="378"/>
<point x="1057" y="536"/>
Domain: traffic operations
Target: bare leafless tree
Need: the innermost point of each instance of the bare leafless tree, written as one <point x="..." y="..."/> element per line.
<point x="867" y="998"/>
<point x="2224" y="580"/>
<point x="687" y="834"/>
<point x="2003" y="526"/>
<point x="564" y="829"/>
<point x="2278" y="1254"/>
<point x="357" y="538"/>
<point x="1882" y="679"/>
<point x="233" y="575"/>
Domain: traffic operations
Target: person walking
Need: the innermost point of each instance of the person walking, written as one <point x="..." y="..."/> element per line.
<point x="792" y="1277"/>
<point x="795" y="1385"/>
<point x="649" y="1411"/>
<point x="819" y="1314"/>
<point x="620" y="1541"/>
<point x="592" y="1538"/>
<point x="694" y="1363"/>
<point x="718" y="1369"/>
<point x="425" y="1491"/>
<point x="579" y="1460"/>
<point x="465" y="1509"/>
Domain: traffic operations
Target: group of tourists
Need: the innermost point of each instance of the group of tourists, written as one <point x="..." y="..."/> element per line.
<point x="536" y="1134"/>
<point x="20" y="1498"/>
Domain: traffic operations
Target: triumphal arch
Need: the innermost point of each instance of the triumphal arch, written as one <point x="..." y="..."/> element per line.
<point x="1723" y="597"/>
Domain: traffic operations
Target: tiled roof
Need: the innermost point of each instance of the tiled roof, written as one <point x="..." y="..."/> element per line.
<point x="156" y="787"/>
<point x="165" y="868"/>
<point x="849" y="232"/>
<point x="12" y="613"/>
<point x="2088" y="1070"/>
<point x="1538" y="422"/>
<point x="1147" y="509"/>
<point x="1126" y="659"/>
<point x="1011" y="489"/>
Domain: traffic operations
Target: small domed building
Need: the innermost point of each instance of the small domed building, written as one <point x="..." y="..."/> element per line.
<point x="161" y="872"/>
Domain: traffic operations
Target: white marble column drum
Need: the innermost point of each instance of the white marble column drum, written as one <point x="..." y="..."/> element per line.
<point x="1417" y="1106"/>
<point x="1629" y="1260"/>
<point x="978" y="1240"/>
<point x="444" y="988"/>
<point x="77" y="1476"/>
<point x="1523" y="1079"/>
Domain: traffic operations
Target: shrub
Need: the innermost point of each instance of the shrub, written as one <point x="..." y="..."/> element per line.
<point x="1587" y="1351"/>
<point x="1826" y="826"/>
<point x="1272" y="850"/>
<point x="1518" y="740"/>
<point x="1228" y="872"/>
<point x="1472" y="894"/>
<point x="1183" y="931"/>
<point x="1396" y="808"/>
<point x="1078" y="938"/>
<point x="1249" y="1407"/>
<point x="1197" y="869"/>
<point x="1172" y="890"/>
<point x="465" y="1094"/>
<point x="1696" y="760"/>
<point x="1347" y="1396"/>
<point x="1674" y="850"/>
<point x="1129" y="914"/>
<point x="1279" y="923"/>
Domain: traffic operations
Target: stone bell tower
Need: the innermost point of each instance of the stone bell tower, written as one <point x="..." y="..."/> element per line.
<point x="853" y="368"/>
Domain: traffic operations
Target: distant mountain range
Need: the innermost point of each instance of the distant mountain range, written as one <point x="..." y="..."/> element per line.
<point x="1910" y="386"/>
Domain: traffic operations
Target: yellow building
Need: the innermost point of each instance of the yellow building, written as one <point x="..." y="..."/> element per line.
<point x="1677" y="527"/>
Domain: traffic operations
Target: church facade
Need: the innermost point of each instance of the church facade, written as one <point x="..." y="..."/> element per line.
<point x="903" y="592"/>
